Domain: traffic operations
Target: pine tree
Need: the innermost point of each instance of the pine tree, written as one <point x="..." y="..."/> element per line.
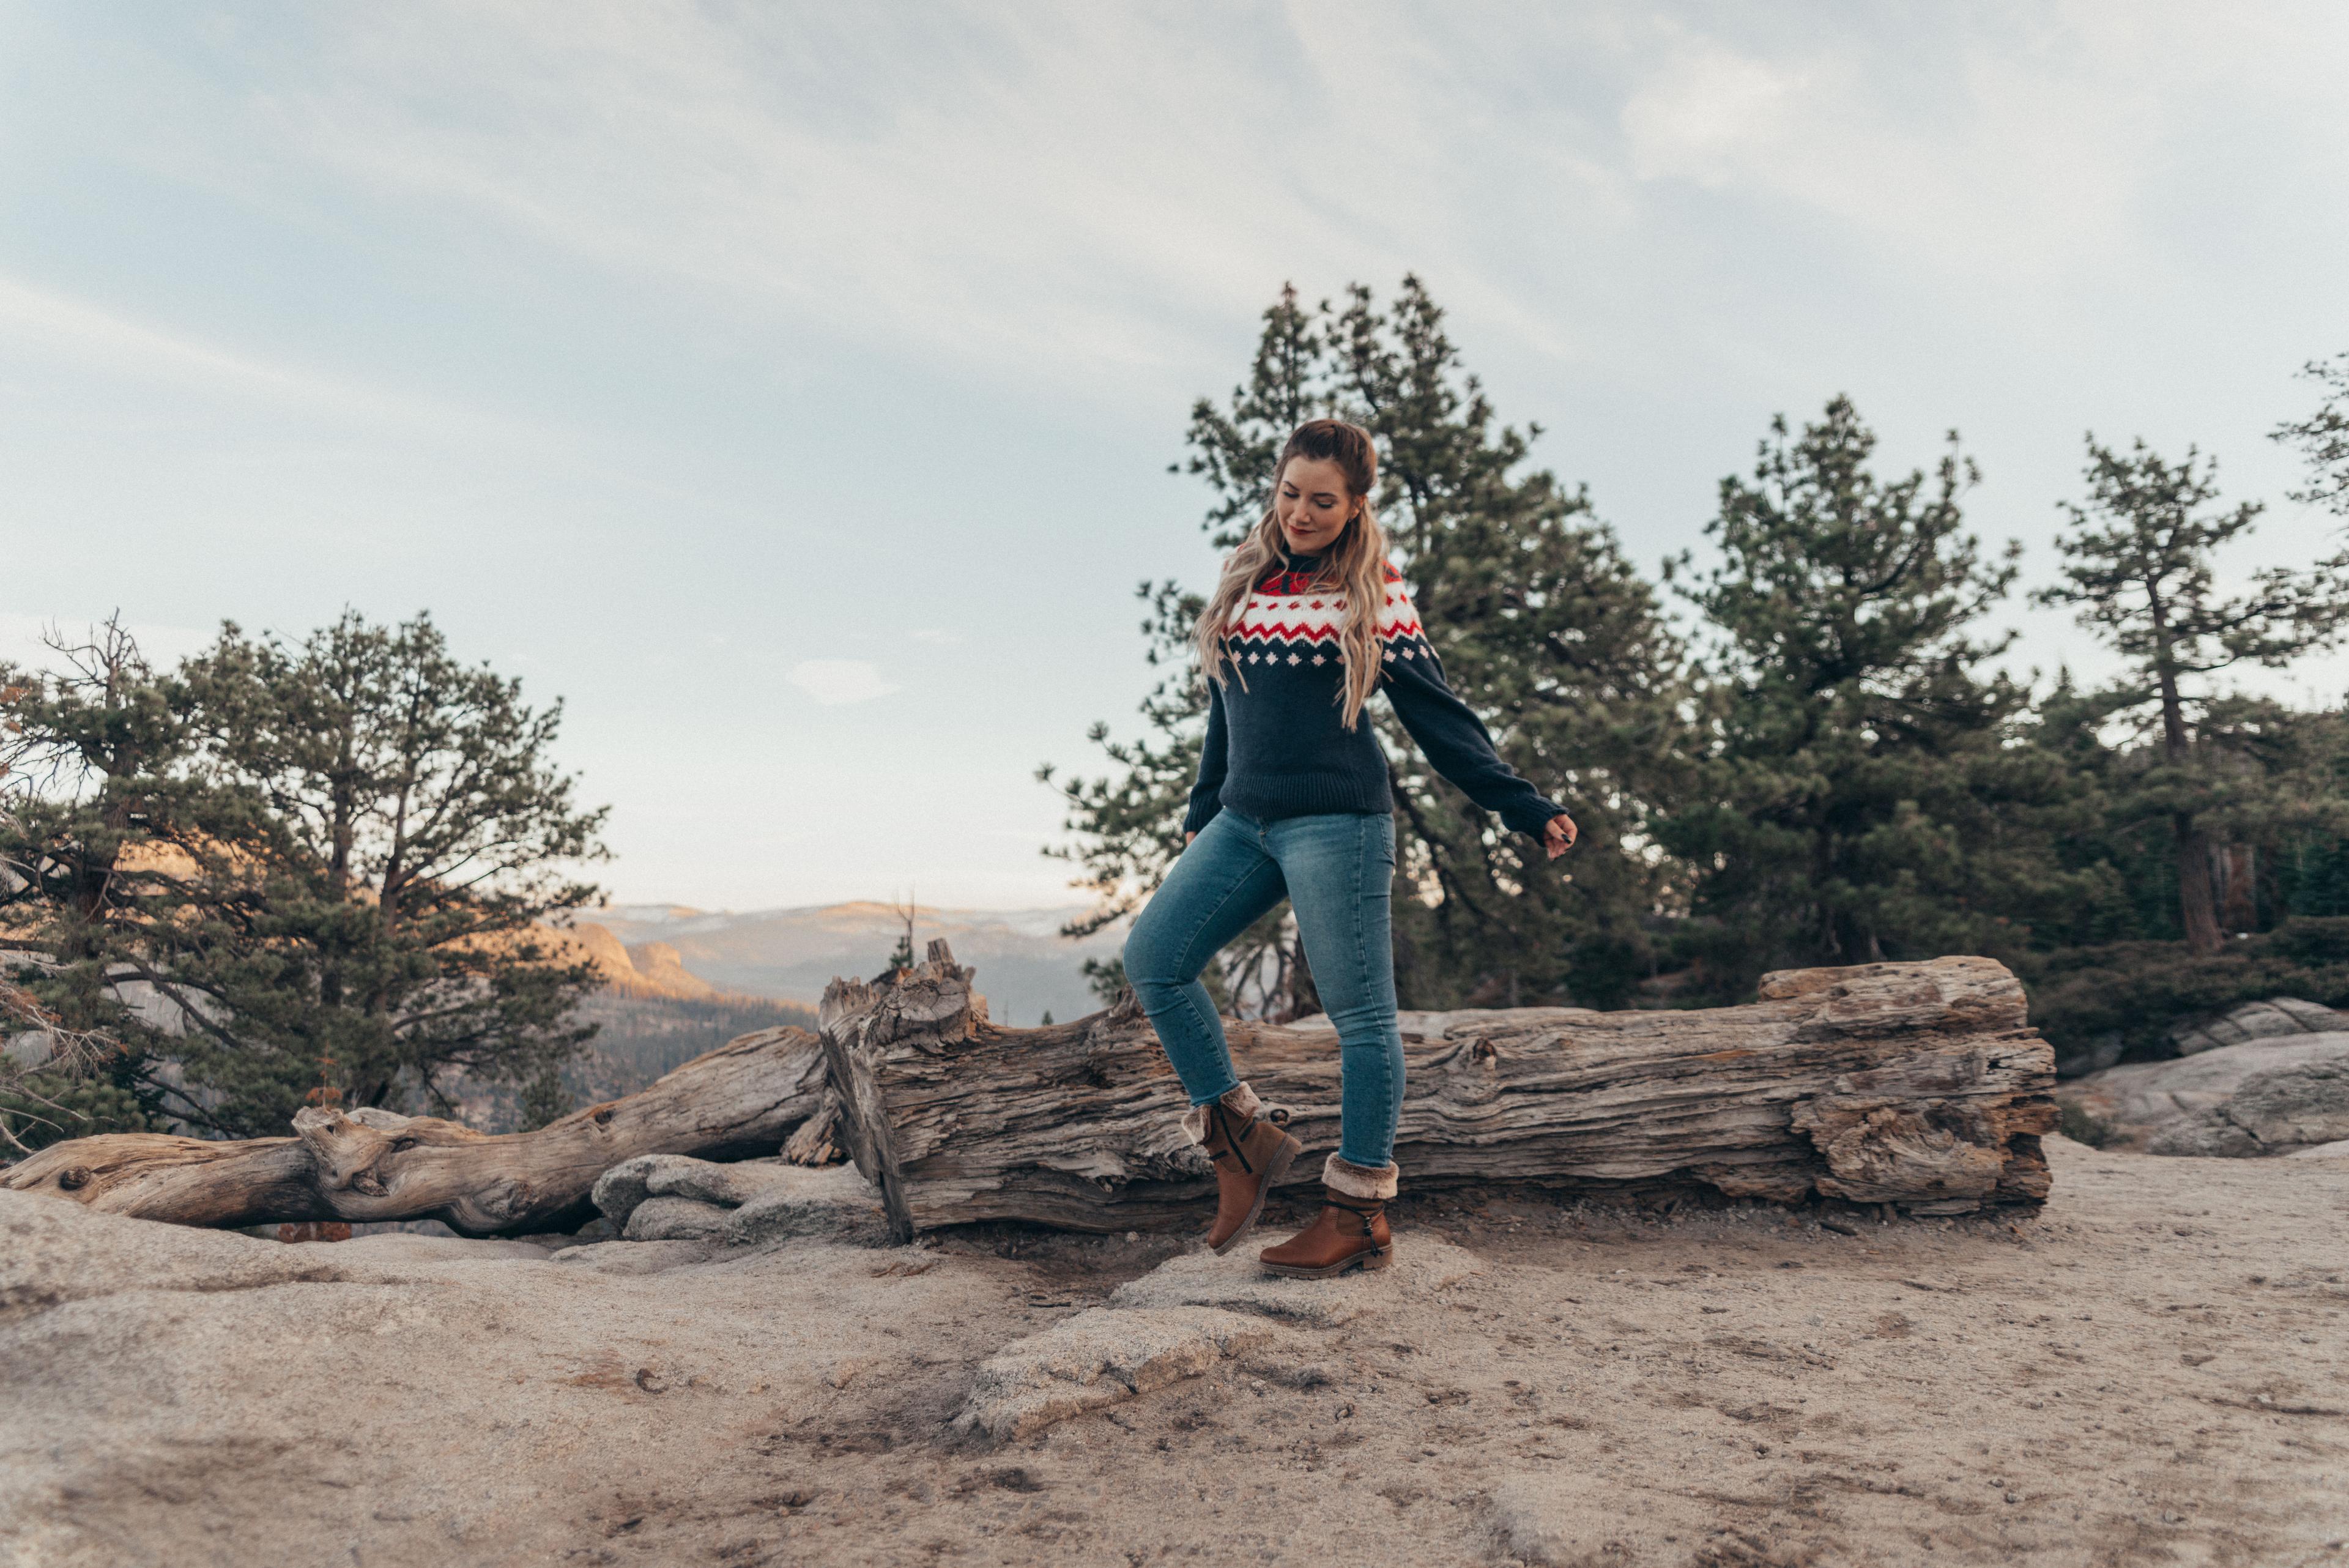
<point x="901" y="956"/>
<point x="91" y="753"/>
<point x="1859" y="799"/>
<point x="2323" y="437"/>
<point x="328" y="865"/>
<point x="2138" y="569"/>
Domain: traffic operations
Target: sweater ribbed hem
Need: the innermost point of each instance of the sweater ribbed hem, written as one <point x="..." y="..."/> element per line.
<point x="1262" y="803"/>
<point x="1262" y="799"/>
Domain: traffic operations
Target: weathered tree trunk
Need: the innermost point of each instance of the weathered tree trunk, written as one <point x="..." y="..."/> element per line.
<point x="1919" y="1085"/>
<point x="2198" y="901"/>
<point x="743" y="1099"/>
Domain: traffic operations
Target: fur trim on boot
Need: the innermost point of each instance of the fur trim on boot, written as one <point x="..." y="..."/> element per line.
<point x="1371" y="1183"/>
<point x="1240" y="1100"/>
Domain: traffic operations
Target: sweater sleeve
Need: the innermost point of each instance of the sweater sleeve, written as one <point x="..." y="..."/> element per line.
<point x="1451" y="736"/>
<point x="1206" y="794"/>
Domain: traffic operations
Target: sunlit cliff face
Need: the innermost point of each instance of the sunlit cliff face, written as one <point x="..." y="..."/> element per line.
<point x="1312" y="504"/>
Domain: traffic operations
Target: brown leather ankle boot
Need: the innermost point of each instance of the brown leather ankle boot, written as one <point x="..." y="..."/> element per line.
<point x="1251" y="1152"/>
<point x="1349" y="1232"/>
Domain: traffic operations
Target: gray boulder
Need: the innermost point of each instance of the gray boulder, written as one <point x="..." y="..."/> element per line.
<point x="620" y="1190"/>
<point x="830" y="1202"/>
<point x="2273" y="1111"/>
<point x="2279" y="1018"/>
<point x="753" y="1202"/>
<point x="677" y="1219"/>
<point x="2265" y="1096"/>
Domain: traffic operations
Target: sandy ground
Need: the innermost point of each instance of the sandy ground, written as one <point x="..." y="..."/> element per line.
<point x="2155" y="1371"/>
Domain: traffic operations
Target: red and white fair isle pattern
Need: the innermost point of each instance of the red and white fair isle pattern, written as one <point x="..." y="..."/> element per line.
<point x="1287" y="621"/>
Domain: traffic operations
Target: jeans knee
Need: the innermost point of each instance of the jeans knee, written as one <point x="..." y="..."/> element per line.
<point x="1368" y="1028"/>
<point x="1148" y="961"/>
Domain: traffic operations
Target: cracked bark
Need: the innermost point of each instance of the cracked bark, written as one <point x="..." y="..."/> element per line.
<point x="1919" y="1085"/>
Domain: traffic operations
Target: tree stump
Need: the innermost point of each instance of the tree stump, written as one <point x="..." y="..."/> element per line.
<point x="742" y="1100"/>
<point x="1919" y="1085"/>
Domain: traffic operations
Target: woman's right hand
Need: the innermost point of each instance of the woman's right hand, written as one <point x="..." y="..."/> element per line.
<point x="1186" y="839"/>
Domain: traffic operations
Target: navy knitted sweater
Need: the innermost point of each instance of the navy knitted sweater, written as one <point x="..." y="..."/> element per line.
<point x="1277" y="745"/>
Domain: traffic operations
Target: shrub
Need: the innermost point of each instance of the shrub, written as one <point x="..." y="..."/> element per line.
<point x="2141" y="991"/>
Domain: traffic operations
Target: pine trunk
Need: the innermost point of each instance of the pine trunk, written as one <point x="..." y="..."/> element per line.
<point x="2197" y="902"/>
<point x="1919" y="1085"/>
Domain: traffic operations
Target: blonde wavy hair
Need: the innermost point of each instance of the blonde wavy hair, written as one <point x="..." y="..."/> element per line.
<point x="1354" y="569"/>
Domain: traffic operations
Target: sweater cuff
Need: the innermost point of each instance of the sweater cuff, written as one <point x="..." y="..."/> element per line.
<point x="1204" y="812"/>
<point x="1530" y="816"/>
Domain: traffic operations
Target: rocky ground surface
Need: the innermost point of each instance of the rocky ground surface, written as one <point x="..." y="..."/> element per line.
<point x="2156" y="1371"/>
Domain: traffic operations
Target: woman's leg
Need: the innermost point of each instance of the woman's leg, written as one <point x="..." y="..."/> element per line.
<point x="1221" y="883"/>
<point x="1341" y="874"/>
<point x="1340" y="877"/>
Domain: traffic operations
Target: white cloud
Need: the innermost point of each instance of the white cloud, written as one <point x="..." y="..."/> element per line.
<point x="836" y="682"/>
<point x="935" y="636"/>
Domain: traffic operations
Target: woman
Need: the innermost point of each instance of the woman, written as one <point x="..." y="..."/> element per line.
<point x="1293" y="801"/>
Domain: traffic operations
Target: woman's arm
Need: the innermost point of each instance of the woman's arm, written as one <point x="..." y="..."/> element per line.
<point x="1457" y="746"/>
<point x="1214" y="757"/>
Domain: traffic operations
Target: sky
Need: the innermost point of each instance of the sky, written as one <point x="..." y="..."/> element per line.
<point x="790" y="389"/>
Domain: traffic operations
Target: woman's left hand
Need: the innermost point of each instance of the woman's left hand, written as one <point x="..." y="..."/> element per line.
<point x="1558" y="835"/>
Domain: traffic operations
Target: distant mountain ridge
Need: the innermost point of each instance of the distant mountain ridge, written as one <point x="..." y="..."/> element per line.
<point x="1026" y="967"/>
<point x="644" y="970"/>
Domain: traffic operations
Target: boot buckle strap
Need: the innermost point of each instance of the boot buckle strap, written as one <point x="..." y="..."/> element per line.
<point x="1223" y="1120"/>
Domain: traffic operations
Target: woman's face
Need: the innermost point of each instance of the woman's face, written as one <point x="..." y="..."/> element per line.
<point x="1312" y="504"/>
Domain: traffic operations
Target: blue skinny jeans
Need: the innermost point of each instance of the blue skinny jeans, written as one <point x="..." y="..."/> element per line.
<point x="1337" y="872"/>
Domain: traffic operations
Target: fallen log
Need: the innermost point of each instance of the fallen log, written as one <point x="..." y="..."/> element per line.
<point x="740" y="1100"/>
<point x="1919" y="1085"/>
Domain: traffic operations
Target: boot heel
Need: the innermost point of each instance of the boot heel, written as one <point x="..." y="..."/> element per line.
<point x="1383" y="1258"/>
